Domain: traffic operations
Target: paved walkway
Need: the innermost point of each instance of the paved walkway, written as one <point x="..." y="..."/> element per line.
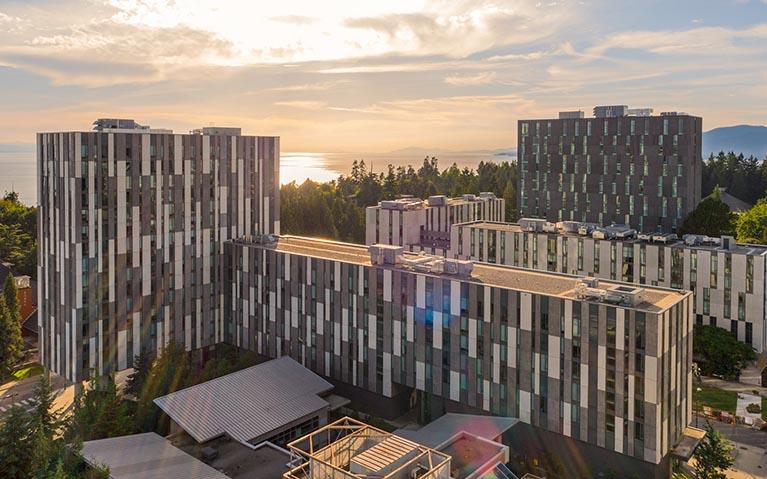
<point x="734" y="386"/>
<point x="744" y="399"/>
<point x="750" y="462"/>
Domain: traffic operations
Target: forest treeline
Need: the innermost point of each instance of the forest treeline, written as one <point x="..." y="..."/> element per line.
<point x="744" y="177"/>
<point x="336" y="209"/>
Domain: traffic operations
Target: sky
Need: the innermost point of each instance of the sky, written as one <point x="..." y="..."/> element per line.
<point x="374" y="76"/>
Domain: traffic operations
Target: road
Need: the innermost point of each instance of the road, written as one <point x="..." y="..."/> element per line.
<point x="737" y="433"/>
<point x="21" y="392"/>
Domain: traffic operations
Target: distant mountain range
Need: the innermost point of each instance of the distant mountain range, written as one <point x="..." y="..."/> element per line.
<point x="746" y="139"/>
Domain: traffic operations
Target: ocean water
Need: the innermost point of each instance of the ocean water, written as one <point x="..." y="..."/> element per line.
<point x="18" y="169"/>
<point x="18" y="172"/>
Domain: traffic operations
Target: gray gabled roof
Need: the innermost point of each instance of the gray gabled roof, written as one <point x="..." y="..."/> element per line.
<point x="247" y="404"/>
<point x="445" y="427"/>
<point x="146" y="456"/>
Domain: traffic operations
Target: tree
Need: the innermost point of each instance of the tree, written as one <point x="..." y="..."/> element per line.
<point x="720" y="353"/>
<point x="711" y="218"/>
<point x="11" y="294"/>
<point x="142" y="365"/>
<point x="99" y="412"/>
<point x="15" y="444"/>
<point x="11" y="343"/>
<point x="752" y="225"/>
<point x="713" y="455"/>
<point x="18" y="232"/>
<point x="43" y="414"/>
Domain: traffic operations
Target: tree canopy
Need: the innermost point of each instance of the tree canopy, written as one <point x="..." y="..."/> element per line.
<point x="31" y="446"/>
<point x="11" y="343"/>
<point x="713" y="456"/>
<point x="18" y="235"/>
<point x="336" y="209"/>
<point x="744" y="177"/>
<point x="752" y="225"/>
<point x="718" y="352"/>
<point x="711" y="217"/>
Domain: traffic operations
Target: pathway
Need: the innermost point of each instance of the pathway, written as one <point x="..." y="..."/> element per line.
<point x="734" y="386"/>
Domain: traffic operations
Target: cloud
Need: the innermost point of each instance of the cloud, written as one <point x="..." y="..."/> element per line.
<point x="294" y="19"/>
<point x="460" y="32"/>
<point x="482" y="78"/>
<point x="303" y="104"/>
<point x="319" y="86"/>
<point x="700" y="41"/>
<point x="5" y="19"/>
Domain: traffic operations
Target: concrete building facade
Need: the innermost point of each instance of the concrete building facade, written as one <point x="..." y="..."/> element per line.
<point x="643" y="171"/>
<point x="503" y="340"/>
<point x="728" y="279"/>
<point x="132" y="223"/>
<point x="424" y="225"/>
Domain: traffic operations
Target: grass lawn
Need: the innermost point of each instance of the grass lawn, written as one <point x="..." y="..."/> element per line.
<point x="27" y="372"/>
<point x="718" y="399"/>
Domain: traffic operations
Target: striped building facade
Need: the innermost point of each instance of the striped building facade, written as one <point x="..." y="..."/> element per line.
<point x="728" y="282"/>
<point x="132" y="225"/>
<point x="424" y="225"/>
<point x="504" y="340"/>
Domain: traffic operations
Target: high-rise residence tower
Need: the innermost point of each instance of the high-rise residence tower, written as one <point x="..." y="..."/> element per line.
<point x="622" y="166"/>
<point x="132" y="223"/>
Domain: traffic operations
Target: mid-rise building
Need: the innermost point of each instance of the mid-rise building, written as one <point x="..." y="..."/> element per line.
<point x="608" y="364"/>
<point x="623" y="166"/>
<point x="420" y="225"/>
<point x="132" y="223"/>
<point x="728" y="279"/>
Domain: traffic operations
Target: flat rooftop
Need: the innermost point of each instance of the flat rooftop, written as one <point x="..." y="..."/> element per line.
<point x="237" y="460"/>
<point x="146" y="456"/>
<point x="740" y="248"/>
<point x="560" y="285"/>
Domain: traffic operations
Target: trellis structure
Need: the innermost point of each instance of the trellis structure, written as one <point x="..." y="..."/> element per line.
<point x="351" y="449"/>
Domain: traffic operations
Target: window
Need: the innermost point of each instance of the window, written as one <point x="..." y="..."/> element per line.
<point x="706" y="301"/>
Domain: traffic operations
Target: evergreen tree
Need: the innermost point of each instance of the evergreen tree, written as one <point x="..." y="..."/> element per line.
<point x="15" y="444"/>
<point x="11" y="295"/>
<point x="713" y="456"/>
<point x="46" y="419"/>
<point x="10" y="339"/>
<point x="99" y="412"/>
<point x="142" y="365"/>
<point x="711" y="218"/>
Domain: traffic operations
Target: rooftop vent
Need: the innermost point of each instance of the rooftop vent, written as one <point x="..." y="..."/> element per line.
<point x="117" y="123"/>
<point x="381" y="254"/>
<point x="217" y="130"/>
<point x="568" y="226"/>
<point x="401" y="204"/>
<point x="571" y="115"/>
<point x="610" y="111"/>
<point x="588" y="289"/>
<point x="532" y="224"/>
<point x="728" y="243"/>
<point x="469" y="197"/>
<point x="639" y="112"/>
<point x="438" y="200"/>
<point x="487" y="195"/>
